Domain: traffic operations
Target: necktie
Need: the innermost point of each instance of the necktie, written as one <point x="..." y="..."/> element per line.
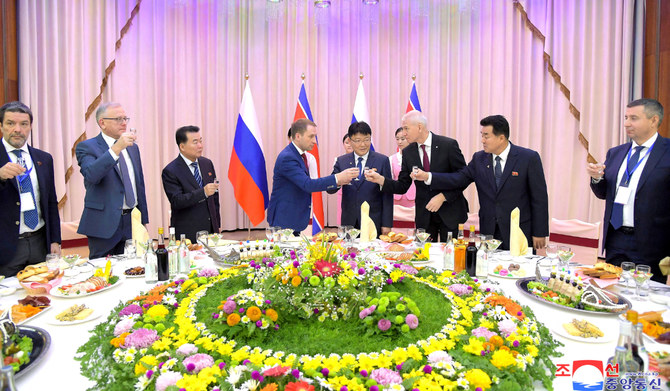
<point x="360" y="167"/>
<point x="127" y="184"/>
<point x="426" y="162"/>
<point x="196" y="173"/>
<point x="497" y="171"/>
<point x="304" y="159"/>
<point x="30" y="217"/>
<point x="617" y="209"/>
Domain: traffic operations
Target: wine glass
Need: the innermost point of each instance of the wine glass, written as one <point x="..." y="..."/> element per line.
<point x="201" y="237"/>
<point x="565" y="254"/>
<point x="417" y="232"/>
<point x="347" y="234"/>
<point x="215" y="239"/>
<point x="641" y="274"/>
<point x="353" y="234"/>
<point x="422" y="236"/>
<point x="269" y="233"/>
<point x="627" y="269"/>
<point x="552" y="252"/>
<point x="341" y="232"/>
<point x="492" y="243"/>
<point x="71" y="260"/>
<point x="129" y="249"/>
<point x="286" y="234"/>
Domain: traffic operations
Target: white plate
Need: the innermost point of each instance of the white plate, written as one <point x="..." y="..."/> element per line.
<point x="137" y="276"/>
<point x="52" y="319"/>
<point x="659" y="299"/>
<point x="32" y="317"/>
<point x="56" y="293"/>
<point x="7" y="291"/>
<point x="608" y="337"/>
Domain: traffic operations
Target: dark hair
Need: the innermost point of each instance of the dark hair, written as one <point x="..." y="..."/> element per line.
<point x="289" y="133"/>
<point x="346" y="136"/>
<point x="15" y="107"/>
<point x="359" y="128"/>
<point x="499" y="124"/>
<point x="398" y="130"/>
<point x="652" y="107"/>
<point x="180" y="135"/>
<point x="299" y="126"/>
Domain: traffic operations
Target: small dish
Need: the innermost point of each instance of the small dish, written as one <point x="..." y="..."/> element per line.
<point x="659" y="299"/>
<point x="7" y="291"/>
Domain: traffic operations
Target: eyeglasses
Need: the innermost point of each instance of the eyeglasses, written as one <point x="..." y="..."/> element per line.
<point x="362" y="141"/>
<point x="119" y="119"/>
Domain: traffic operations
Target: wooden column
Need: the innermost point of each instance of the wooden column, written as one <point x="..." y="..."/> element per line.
<point x="9" y="72"/>
<point x="656" y="75"/>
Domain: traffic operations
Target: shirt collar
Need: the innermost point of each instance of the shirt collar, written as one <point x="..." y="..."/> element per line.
<point x="428" y="142"/>
<point x="503" y="155"/>
<point x="10" y="148"/>
<point x="187" y="160"/>
<point x="109" y="140"/>
<point x="300" y="151"/>
<point x="646" y="144"/>
<point x="365" y="157"/>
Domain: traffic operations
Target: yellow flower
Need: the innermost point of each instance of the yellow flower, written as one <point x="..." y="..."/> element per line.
<point x="478" y="378"/>
<point x="158" y="311"/>
<point x="396" y="274"/>
<point x="191" y="383"/>
<point x="233" y="319"/>
<point x="162" y="344"/>
<point x="205" y="342"/>
<point x="532" y="350"/>
<point x="240" y="354"/>
<point x="474" y="347"/>
<point x="188" y="285"/>
<point x="338" y="382"/>
<point x="343" y="280"/>
<point x="502" y="359"/>
<point x="144" y="364"/>
<point x="208" y="375"/>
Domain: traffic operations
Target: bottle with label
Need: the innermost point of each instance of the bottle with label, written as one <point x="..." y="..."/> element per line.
<point x="150" y="265"/>
<point x="184" y="256"/>
<point x="163" y="259"/>
<point x="471" y="254"/>
<point x="459" y="250"/>
<point x="172" y="252"/>
<point x="640" y="354"/>
<point x="626" y="363"/>
<point x="449" y="253"/>
<point x="482" y="260"/>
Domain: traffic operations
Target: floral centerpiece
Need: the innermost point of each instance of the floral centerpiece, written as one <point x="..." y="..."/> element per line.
<point x="320" y="319"/>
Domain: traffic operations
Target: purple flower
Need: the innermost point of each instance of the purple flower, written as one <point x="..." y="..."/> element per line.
<point x="131" y="310"/>
<point x="176" y="305"/>
<point x="374" y="388"/>
<point x="376" y="267"/>
<point x="246" y="362"/>
<point x="352" y="255"/>
<point x="276" y="327"/>
<point x="208" y="272"/>
<point x="222" y="365"/>
<point x="389" y="281"/>
<point x="485" y="314"/>
<point x="124" y="326"/>
<point x="316" y="310"/>
<point x="325" y="372"/>
<point x="396" y="265"/>
<point x="515" y="344"/>
<point x="259" y="323"/>
<point x="439" y="356"/>
<point x="271" y="264"/>
<point x="460" y="289"/>
<point x="295" y="373"/>
<point x="352" y="264"/>
<point x="150" y="373"/>
<point x="427" y="369"/>
<point x="385" y="376"/>
<point x="409" y="269"/>
<point x="344" y="388"/>
<point x="215" y="315"/>
<point x="399" y="366"/>
<point x="412" y="321"/>
<point x="268" y="302"/>
<point x="197" y="362"/>
<point x="241" y="310"/>
<point x="141" y="338"/>
<point x="507" y="327"/>
<point x="190" y="367"/>
<point x="478" y="389"/>
<point x="364" y="373"/>
<point x="384" y="324"/>
<point x="361" y="271"/>
<point x="296" y="263"/>
<point x="256" y="375"/>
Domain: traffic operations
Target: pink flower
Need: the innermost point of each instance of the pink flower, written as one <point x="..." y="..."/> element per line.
<point x="229" y="307"/>
<point x="439" y="356"/>
<point x="412" y="321"/>
<point x="507" y="327"/>
<point x="385" y="376"/>
<point x="166" y="380"/>
<point x="408" y="269"/>
<point x="141" y="338"/>
<point x="384" y="324"/>
<point x="187" y="349"/>
<point x="483" y="332"/>
<point x="276" y="371"/>
<point x="123" y="326"/>
<point x="130" y="310"/>
<point x="199" y="362"/>
<point x="460" y="289"/>
<point x="208" y="272"/>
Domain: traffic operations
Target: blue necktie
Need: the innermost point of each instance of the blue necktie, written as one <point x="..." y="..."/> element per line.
<point x="360" y="167"/>
<point x="30" y="217"/>
<point x="196" y="173"/>
<point x="127" y="184"/>
<point x="497" y="171"/>
<point x="617" y="209"/>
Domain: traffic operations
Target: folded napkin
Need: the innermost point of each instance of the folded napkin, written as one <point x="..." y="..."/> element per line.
<point x="665" y="266"/>
<point x="140" y="233"/>
<point x="368" y="230"/>
<point x="518" y="244"/>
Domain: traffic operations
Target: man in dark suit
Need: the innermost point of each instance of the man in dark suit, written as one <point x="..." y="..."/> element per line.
<point x="292" y="188"/>
<point x="507" y="176"/>
<point x="381" y="204"/>
<point x="635" y="184"/>
<point x="189" y="184"/>
<point x="436" y="212"/>
<point x="112" y="170"/>
<point x="30" y="225"/>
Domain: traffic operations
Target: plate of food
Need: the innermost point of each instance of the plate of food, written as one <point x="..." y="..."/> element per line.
<point x="26" y="349"/>
<point x="601" y="270"/>
<point x="134" y="272"/>
<point x="508" y="270"/>
<point x="90" y="286"/>
<point x="325" y="236"/>
<point x="76" y="314"/>
<point x="28" y="308"/>
<point x="395" y="237"/>
<point x="582" y="330"/>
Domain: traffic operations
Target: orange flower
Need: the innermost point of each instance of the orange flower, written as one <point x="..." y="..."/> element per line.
<point x="293" y="273"/>
<point x="496" y="341"/>
<point x="514" y="353"/>
<point x="295" y="281"/>
<point x="299" y="386"/>
<point x="270" y="387"/>
<point x="512" y="307"/>
<point x="272" y="314"/>
<point x="120" y="340"/>
<point x="233" y="319"/>
<point x="254" y="313"/>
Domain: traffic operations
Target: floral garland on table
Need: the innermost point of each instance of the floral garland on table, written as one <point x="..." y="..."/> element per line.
<point x="157" y="341"/>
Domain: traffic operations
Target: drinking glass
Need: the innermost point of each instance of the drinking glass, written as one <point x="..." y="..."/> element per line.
<point x="565" y="254"/>
<point x="201" y="237"/>
<point x="341" y="232"/>
<point x="411" y="235"/>
<point x="552" y="253"/>
<point x="353" y="234"/>
<point x="641" y="274"/>
<point x="215" y="239"/>
<point x="347" y="232"/>
<point x="478" y="240"/>
<point x="129" y="249"/>
<point x="52" y="261"/>
<point x="627" y="269"/>
<point x="269" y="233"/>
<point x="418" y="232"/>
<point x="422" y="236"/>
<point x="286" y="234"/>
<point x="415" y="170"/>
<point x="366" y="169"/>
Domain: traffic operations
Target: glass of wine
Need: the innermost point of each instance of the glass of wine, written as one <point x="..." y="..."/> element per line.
<point x="341" y="232"/>
<point x="641" y="275"/>
<point x="492" y="243"/>
<point x="269" y="233"/>
<point x="422" y="236"/>
<point x="353" y="234"/>
<point x="627" y="269"/>
<point x="552" y="253"/>
<point x="418" y="232"/>
<point x="565" y="254"/>
<point x="201" y="237"/>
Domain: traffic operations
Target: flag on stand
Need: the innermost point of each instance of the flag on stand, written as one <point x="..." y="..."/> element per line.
<point x="413" y="103"/>
<point x="246" y="171"/>
<point x="302" y="110"/>
<point x="361" y="108"/>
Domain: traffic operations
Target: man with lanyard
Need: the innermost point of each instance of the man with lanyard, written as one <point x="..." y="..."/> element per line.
<point x="635" y="182"/>
<point x="30" y="225"/>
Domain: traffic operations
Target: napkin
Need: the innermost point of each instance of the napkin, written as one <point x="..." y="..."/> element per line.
<point x="518" y="244"/>
<point x="140" y="234"/>
<point x="368" y="230"/>
<point x="665" y="266"/>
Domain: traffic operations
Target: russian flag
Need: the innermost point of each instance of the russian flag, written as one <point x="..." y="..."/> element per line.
<point x="413" y="103"/>
<point x="302" y="110"/>
<point x="361" y="112"/>
<point x="246" y="171"/>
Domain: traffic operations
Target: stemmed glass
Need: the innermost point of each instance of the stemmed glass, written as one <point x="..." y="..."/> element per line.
<point x="341" y="232"/>
<point x="269" y="233"/>
<point x="641" y="274"/>
<point x="552" y="253"/>
<point x="353" y="234"/>
<point x="565" y="254"/>
<point x="417" y="233"/>
<point x="215" y="238"/>
<point x="347" y="232"/>
<point x="201" y="237"/>
<point x="492" y="244"/>
<point x="71" y="260"/>
<point x="627" y="268"/>
<point x="286" y="234"/>
<point x="422" y="236"/>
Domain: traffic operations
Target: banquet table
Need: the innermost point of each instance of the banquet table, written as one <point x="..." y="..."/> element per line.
<point x="58" y="366"/>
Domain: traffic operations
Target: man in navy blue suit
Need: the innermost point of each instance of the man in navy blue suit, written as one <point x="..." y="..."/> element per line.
<point x="507" y="176"/>
<point x="292" y="188"/>
<point x="189" y="184"/>
<point x="635" y="183"/>
<point x="30" y="225"/>
<point x="381" y="204"/>
<point x="112" y="170"/>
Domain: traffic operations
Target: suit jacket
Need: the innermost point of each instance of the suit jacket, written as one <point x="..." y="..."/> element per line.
<point x="192" y="211"/>
<point x="103" y="202"/>
<point x="651" y="209"/>
<point x="292" y="188"/>
<point x="446" y="156"/>
<point x="381" y="204"/>
<point x="11" y="206"/>
<point x="522" y="185"/>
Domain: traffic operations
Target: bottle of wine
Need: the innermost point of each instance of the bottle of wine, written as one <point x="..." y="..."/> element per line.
<point x="151" y="265"/>
<point x="184" y="256"/>
<point x="172" y="252"/>
<point x="459" y="251"/>
<point x="449" y="253"/>
<point x="471" y="254"/>
<point x="482" y="260"/>
<point x="640" y="354"/>
<point x="162" y="256"/>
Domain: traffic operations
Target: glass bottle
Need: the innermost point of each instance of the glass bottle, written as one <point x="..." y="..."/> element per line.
<point x="150" y="265"/>
<point x="184" y="256"/>
<point x="7" y="378"/>
<point x="449" y="253"/>
<point x="162" y="256"/>
<point x="172" y="252"/>
<point x="459" y="251"/>
<point x="471" y="254"/>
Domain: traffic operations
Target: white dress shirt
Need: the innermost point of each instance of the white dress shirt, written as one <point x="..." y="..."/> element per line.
<point x="190" y="167"/>
<point x="503" y="158"/>
<point x="428" y="143"/>
<point x="131" y="171"/>
<point x="25" y="154"/>
<point x="363" y="162"/>
<point x="629" y="207"/>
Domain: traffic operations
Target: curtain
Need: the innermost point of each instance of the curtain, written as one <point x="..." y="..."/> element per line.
<point x="182" y="62"/>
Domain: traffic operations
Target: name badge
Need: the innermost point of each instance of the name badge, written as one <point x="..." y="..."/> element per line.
<point x="27" y="202"/>
<point x="622" y="195"/>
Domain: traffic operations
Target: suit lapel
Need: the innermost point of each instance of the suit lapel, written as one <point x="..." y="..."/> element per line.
<point x="103" y="148"/>
<point x="612" y="175"/>
<point x="4" y="159"/>
<point x="653" y="159"/>
<point x="509" y="165"/>
<point x="486" y="163"/>
<point x="185" y="171"/>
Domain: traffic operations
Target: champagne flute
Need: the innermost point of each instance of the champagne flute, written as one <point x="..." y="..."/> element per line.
<point x="627" y="269"/>
<point x="641" y="274"/>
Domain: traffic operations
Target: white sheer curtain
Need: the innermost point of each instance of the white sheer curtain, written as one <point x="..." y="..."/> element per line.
<point x="183" y="62"/>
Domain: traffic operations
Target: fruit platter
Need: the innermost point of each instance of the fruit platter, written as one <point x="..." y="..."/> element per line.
<point x="101" y="280"/>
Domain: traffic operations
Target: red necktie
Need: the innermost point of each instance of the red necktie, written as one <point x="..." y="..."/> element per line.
<point x="304" y="159"/>
<point x="426" y="162"/>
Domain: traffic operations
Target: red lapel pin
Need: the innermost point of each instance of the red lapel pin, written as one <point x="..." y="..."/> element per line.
<point x="514" y="173"/>
<point x="209" y="173"/>
<point x="39" y="163"/>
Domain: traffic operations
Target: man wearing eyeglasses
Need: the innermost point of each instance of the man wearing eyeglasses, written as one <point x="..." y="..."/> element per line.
<point x="112" y="170"/>
<point x="360" y="190"/>
<point x="29" y="223"/>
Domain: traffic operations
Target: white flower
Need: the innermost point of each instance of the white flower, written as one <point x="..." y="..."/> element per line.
<point x="128" y="358"/>
<point x="245" y="319"/>
<point x="395" y="387"/>
<point x="142" y="383"/>
<point x="250" y="385"/>
<point x="462" y="382"/>
<point x="169" y="299"/>
<point x="234" y="374"/>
